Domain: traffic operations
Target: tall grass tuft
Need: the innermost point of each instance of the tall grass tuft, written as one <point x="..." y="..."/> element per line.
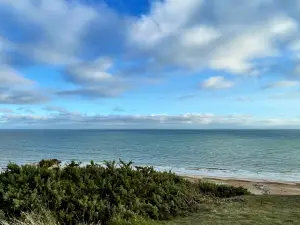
<point x="32" y="218"/>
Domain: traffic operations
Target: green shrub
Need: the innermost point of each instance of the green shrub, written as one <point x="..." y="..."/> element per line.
<point x="104" y="194"/>
<point x="49" y="163"/>
<point x="221" y="191"/>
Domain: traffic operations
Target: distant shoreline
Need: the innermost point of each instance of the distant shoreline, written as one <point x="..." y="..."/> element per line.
<point x="152" y="129"/>
<point x="255" y="186"/>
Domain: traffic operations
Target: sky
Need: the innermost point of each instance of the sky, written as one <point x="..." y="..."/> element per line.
<point x="113" y="64"/>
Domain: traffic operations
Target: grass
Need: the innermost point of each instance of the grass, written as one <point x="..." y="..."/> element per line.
<point x="254" y="210"/>
<point x="31" y="218"/>
<point x="247" y="210"/>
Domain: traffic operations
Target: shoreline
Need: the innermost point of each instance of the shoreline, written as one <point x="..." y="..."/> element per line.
<point x="255" y="186"/>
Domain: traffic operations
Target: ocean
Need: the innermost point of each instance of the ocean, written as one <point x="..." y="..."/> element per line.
<point x="248" y="154"/>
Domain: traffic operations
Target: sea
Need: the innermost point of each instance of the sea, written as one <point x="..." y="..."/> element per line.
<point x="242" y="154"/>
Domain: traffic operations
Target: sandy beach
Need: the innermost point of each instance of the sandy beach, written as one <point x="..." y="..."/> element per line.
<point x="257" y="187"/>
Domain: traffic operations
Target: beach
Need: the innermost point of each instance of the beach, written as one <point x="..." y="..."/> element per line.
<point x="257" y="187"/>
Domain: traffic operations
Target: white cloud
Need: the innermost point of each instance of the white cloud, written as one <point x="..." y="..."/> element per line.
<point x="90" y="72"/>
<point x="10" y="77"/>
<point x="94" y="79"/>
<point x="208" y="34"/>
<point x="198" y="36"/>
<point x="193" y="34"/>
<point x="217" y="82"/>
<point x="166" y="18"/>
<point x="236" y="55"/>
<point x="17" y="89"/>
<point x="282" y="84"/>
<point x="57" y="29"/>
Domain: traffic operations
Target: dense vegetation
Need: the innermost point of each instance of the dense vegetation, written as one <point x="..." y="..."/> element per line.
<point x="110" y="194"/>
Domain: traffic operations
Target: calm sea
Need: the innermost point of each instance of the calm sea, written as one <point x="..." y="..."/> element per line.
<point x="252" y="154"/>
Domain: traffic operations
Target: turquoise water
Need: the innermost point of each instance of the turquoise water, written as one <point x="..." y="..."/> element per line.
<point x="250" y="154"/>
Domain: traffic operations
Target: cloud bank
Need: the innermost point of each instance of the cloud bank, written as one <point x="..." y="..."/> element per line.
<point x="58" y="117"/>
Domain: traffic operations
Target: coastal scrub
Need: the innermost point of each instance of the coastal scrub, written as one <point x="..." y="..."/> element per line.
<point x="95" y="193"/>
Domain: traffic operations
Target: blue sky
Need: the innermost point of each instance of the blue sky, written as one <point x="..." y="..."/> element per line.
<point x="149" y="64"/>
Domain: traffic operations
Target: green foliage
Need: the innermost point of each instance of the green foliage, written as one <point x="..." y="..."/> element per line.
<point x="49" y="163"/>
<point x="221" y="191"/>
<point x="101" y="194"/>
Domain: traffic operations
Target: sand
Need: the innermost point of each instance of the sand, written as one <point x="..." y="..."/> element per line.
<point x="257" y="187"/>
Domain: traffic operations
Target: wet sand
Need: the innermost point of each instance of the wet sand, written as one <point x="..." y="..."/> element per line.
<point x="257" y="187"/>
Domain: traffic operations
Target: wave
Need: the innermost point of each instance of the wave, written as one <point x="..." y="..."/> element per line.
<point x="232" y="174"/>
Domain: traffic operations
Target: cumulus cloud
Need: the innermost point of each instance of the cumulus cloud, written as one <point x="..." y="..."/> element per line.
<point x="94" y="79"/>
<point x="163" y="21"/>
<point x="192" y="34"/>
<point x="49" y="32"/>
<point x="90" y="72"/>
<point x="61" y="32"/>
<point x="217" y="82"/>
<point x="236" y="54"/>
<point x="208" y="34"/>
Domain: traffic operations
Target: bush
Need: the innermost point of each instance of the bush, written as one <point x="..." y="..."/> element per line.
<point x="49" y="163"/>
<point x="101" y="194"/>
<point x="221" y="191"/>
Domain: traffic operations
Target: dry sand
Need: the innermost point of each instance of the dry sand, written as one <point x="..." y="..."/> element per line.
<point x="257" y="187"/>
